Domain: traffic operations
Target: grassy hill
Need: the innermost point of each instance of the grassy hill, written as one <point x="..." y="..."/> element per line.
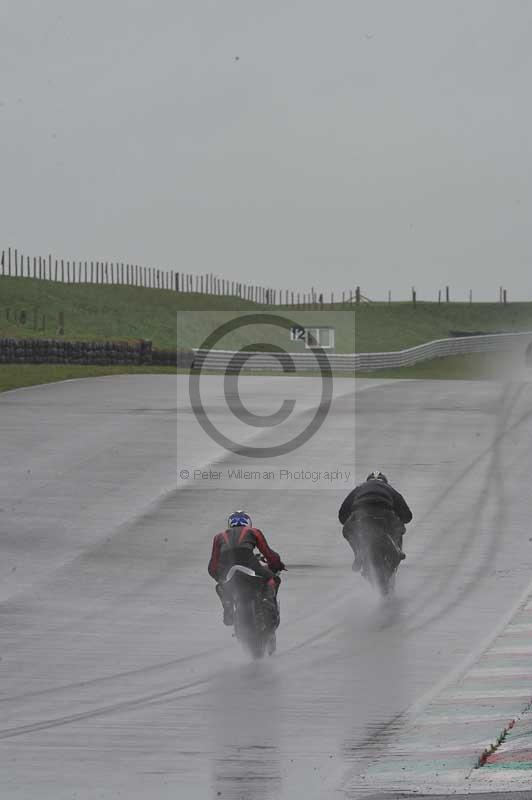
<point x="127" y="312"/>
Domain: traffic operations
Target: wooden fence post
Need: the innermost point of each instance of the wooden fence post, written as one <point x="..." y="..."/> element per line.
<point x="357" y="295"/>
<point x="414" y="297"/>
<point x="505" y="296"/>
<point x="447" y="298"/>
<point x="9" y="261"/>
<point x="439" y="295"/>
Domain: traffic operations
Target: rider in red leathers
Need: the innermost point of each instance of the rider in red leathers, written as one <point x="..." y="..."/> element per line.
<point x="236" y="545"/>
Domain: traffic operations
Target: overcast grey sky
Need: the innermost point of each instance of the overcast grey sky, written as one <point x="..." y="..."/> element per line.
<point x="379" y="142"/>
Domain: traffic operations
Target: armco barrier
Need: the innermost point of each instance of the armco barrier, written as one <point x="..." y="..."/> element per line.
<point x="224" y="360"/>
<point x="58" y="351"/>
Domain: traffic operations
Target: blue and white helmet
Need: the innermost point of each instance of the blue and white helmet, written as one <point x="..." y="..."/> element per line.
<point x="239" y="519"/>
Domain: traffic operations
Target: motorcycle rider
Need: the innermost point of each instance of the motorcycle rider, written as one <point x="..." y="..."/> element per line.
<point x="236" y="545"/>
<point x="374" y="498"/>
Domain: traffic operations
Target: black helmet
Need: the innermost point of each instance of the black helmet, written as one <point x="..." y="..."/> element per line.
<point x="377" y="475"/>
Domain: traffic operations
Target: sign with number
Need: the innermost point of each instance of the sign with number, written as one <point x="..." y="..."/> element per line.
<point x="297" y="334"/>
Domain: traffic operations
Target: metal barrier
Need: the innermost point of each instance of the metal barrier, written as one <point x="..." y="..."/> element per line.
<point x="234" y="361"/>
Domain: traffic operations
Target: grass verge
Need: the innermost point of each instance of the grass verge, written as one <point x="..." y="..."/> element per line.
<point x="473" y="366"/>
<point x="478" y="366"/>
<point x="15" y="376"/>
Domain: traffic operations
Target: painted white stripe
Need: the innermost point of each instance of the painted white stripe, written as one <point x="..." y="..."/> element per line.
<point x="500" y="780"/>
<point x="429" y="713"/>
<point x="518" y="628"/>
<point x="450" y="719"/>
<point x="502" y="672"/>
<point x="502" y="693"/>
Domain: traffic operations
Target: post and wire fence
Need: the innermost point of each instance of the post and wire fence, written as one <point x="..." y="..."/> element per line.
<point x="15" y="263"/>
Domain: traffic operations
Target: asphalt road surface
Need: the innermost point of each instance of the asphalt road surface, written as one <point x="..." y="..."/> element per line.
<point x="118" y="678"/>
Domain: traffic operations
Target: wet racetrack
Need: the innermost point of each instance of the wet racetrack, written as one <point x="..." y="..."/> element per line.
<point x="118" y="678"/>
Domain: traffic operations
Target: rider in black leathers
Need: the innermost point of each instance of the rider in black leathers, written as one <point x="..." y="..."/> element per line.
<point x="374" y="497"/>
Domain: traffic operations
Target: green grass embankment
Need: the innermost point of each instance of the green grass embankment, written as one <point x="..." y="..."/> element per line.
<point x="397" y="326"/>
<point x="100" y="312"/>
<point x="128" y="312"/>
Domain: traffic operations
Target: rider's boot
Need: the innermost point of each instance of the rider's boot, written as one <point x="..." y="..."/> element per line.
<point x="357" y="563"/>
<point x="270" y="602"/>
<point x="229" y="614"/>
<point x="227" y="604"/>
<point x="398" y="541"/>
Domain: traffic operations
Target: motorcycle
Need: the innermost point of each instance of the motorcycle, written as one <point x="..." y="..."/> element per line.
<point x="254" y="621"/>
<point x="379" y="554"/>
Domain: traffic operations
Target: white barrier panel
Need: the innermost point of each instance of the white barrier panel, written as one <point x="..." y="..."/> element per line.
<point x="229" y="360"/>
